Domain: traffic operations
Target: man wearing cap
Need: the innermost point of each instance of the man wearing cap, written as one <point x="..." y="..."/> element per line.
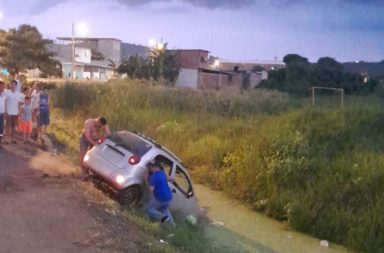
<point x="158" y="207"/>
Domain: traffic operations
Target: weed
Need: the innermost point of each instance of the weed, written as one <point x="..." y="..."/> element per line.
<point x="320" y="168"/>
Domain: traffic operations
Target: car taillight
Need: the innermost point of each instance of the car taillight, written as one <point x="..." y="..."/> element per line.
<point x="134" y="160"/>
<point x="101" y="140"/>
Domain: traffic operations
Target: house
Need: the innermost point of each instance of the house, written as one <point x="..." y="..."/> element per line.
<point x="190" y="64"/>
<point x="101" y="48"/>
<point x="93" y="57"/>
<point x="199" y="70"/>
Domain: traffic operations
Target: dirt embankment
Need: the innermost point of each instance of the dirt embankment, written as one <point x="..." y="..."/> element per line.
<point x="44" y="208"/>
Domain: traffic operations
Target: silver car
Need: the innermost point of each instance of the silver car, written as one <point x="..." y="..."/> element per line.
<point x="121" y="160"/>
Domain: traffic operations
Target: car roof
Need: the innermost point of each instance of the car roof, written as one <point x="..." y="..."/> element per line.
<point x="157" y="145"/>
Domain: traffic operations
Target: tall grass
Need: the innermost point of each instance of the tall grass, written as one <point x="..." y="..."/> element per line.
<point x="321" y="169"/>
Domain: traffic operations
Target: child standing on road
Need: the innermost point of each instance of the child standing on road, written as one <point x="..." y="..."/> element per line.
<point x="26" y="119"/>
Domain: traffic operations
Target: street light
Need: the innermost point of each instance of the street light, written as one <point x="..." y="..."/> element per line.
<point x="156" y="45"/>
<point x="152" y="42"/>
<point x="216" y="63"/>
<point x="82" y="29"/>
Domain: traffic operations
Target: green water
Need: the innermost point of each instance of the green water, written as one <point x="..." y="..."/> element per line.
<point x="239" y="229"/>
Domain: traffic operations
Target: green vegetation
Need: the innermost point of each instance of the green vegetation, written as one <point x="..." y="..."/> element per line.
<point x="160" y="64"/>
<point x="319" y="168"/>
<point x="300" y="75"/>
<point x="24" y="48"/>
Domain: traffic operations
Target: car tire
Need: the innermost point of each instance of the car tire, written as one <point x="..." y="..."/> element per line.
<point x="130" y="196"/>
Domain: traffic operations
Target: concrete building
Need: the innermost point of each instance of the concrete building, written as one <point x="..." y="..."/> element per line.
<point x="91" y="57"/>
<point x="256" y="71"/>
<point x="251" y="65"/>
<point x="190" y="64"/>
<point x="94" y="57"/>
<point x="109" y="48"/>
<point x="199" y="70"/>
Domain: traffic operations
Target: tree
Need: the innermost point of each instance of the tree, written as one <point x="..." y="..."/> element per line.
<point x="295" y="59"/>
<point x="296" y="74"/>
<point x="51" y="68"/>
<point x="299" y="75"/>
<point x="160" y="64"/>
<point x="170" y="69"/>
<point x="328" y="72"/>
<point x="24" y="48"/>
<point x="135" y="67"/>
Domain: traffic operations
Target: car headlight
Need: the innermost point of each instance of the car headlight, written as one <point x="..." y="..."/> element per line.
<point x="120" y="179"/>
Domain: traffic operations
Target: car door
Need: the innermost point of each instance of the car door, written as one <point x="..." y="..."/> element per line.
<point x="184" y="199"/>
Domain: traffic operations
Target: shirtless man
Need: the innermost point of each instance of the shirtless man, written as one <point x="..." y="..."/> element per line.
<point x="94" y="129"/>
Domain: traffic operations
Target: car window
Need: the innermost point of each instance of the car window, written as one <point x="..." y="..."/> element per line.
<point x="182" y="182"/>
<point x="130" y="142"/>
<point x="165" y="163"/>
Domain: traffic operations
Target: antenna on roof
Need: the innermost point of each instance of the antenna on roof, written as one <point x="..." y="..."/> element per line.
<point x="210" y="42"/>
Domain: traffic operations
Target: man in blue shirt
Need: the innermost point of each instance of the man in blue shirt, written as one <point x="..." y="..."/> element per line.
<point x="158" y="207"/>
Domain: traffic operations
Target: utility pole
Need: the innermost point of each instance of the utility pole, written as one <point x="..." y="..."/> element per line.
<point x="73" y="51"/>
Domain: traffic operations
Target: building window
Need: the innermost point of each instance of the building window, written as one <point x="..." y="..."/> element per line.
<point x="165" y="163"/>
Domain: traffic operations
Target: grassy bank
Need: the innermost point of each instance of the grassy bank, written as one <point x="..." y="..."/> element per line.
<point x="320" y="168"/>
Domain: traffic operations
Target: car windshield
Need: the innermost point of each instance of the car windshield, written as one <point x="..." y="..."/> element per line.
<point x="130" y="142"/>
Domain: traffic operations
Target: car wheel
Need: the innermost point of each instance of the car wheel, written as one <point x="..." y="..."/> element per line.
<point x="130" y="196"/>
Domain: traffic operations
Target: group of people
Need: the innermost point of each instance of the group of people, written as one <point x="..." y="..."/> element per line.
<point x="157" y="181"/>
<point x="25" y="111"/>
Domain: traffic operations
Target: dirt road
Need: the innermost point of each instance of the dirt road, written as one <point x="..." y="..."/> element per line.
<point x="43" y="208"/>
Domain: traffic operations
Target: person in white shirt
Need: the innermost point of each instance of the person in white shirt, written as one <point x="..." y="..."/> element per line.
<point x="35" y="95"/>
<point x="18" y="83"/>
<point x="12" y="106"/>
<point x="2" y="110"/>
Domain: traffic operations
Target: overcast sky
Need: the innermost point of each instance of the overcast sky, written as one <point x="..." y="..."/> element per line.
<point x="246" y="30"/>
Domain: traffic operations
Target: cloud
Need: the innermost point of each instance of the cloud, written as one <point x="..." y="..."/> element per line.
<point x="16" y="7"/>
<point x="212" y="4"/>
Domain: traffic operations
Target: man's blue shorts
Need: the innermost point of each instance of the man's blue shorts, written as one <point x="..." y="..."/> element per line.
<point x="44" y="118"/>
